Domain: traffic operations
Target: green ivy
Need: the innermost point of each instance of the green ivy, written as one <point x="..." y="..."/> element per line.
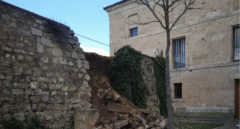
<point x="126" y="78"/>
<point x="125" y="75"/>
<point x="159" y="69"/>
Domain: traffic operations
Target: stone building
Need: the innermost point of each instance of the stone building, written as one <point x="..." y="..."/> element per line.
<point x="204" y="52"/>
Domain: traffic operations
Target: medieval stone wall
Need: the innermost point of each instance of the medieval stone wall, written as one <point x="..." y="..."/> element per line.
<point x="42" y="68"/>
<point x="149" y="80"/>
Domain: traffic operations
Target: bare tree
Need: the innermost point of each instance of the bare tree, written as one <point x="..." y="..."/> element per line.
<point x="167" y="7"/>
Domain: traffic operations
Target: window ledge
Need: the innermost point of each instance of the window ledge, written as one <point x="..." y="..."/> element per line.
<point x="177" y="100"/>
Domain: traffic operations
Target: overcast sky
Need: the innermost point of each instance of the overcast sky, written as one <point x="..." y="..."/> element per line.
<point x="84" y="17"/>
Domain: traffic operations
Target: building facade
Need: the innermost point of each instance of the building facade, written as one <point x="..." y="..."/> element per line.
<point x="204" y="52"/>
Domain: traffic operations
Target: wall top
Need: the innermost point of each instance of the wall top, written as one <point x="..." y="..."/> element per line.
<point x="31" y="13"/>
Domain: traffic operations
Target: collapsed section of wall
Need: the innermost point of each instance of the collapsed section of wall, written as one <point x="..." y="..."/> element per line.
<point x="42" y="68"/>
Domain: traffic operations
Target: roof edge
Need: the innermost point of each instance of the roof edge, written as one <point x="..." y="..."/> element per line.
<point x="122" y="1"/>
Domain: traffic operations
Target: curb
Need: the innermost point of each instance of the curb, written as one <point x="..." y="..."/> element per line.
<point x="202" y="120"/>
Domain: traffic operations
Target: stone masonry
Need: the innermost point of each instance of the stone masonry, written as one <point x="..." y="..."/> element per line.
<point x="149" y="79"/>
<point x="42" y="68"/>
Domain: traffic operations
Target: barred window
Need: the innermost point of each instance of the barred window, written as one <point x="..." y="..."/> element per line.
<point x="134" y="32"/>
<point x="179" y="53"/>
<point x="178" y="90"/>
<point x="236" y="37"/>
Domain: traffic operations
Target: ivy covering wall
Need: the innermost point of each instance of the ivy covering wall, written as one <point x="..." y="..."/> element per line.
<point x="126" y="78"/>
<point x="159" y="69"/>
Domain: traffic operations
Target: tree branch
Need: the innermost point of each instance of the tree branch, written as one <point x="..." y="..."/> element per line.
<point x="146" y="3"/>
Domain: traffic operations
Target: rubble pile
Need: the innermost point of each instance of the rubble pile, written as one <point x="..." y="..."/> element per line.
<point x="128" y="115"/>
<point x="114" y="111"/>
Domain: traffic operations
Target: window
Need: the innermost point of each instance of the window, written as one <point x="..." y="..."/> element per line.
<point x="133" y="32"/>
<point x="236" y="37"/>
<point x="179" y="53"/>
<point x="178" y="90"/>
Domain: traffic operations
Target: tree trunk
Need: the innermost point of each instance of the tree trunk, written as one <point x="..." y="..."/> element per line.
<point x="168" y="91"/>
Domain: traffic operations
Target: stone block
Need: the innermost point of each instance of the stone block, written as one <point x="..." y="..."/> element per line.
<point x="27" y="107"/>
<point x="43" y="85"/>
<point x="85" y="119"/>
<point x="6" y="92"/>
<point x="17" y="70"/>
<point x="79" y="63"/>
<point x="1" y="76"/>
<point x="36" y="32"/>
<point x="34" y="99"/>
<point x="40" y="48"/>
<point x="34" y="107"/>
<point x="57" y="52"/>
<point x="47" y="42"/>
<point x="23" y="33"/>
<point x="142" y="119"/>
<point x="18" y="92"/>
<point x="117" y="108"/>
<point x="5" y="17"/>
<point x="119" y="125"/>
<point x="44" y="59"/>
<point x="34" y="85"/>
<point x="87" y="77"/>
<point x="38" y="21"/>
<point x="74" y="55"/>
<point x="53" y="93"/>
<point x="13" y="109"/>
<point x="5" y="108"/>
<point x="48" y="115"/>
<point x="41" y="27"/>
<point x="29" y="92"/>
<point x="38" y="92"/>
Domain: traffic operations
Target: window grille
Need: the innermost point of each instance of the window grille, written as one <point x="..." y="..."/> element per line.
<point x="178" y="90"/>
<point x="179" y="53"/>
<point x="134" y="32"/>
<point x="236" y="43"/>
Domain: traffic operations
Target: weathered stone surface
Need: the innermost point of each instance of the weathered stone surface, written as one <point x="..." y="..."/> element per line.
<point x="5" y="17"/>
<point x="35" y="75"/>
<point x="40" y="48"/>
<point x="119" y="125"/>
<point x="45" y="98"/>
<point x="87" y="77"/>
<point x="34" y="85"/>
<point x="103" y="94"/>
<point x="36" y="32"/>
<point x="1" y="76"/>
<point x="57" y="52"/>
<point x="34" y="107"/>
<point x="142" y="119"/>
<point x="23" y="33"/>
<point x="27" y="107"/>
<point x="85" y="119"/>
<point x="29" y="92"/>
<point x="38" y="92"/>
<point x="18" y="92"/>
<point x="47" y="42"/>
<point x="117" y="108"/>
<point x="34" y="99"/>
<point x="38" y="21"/>
<point x="17" y="70"/>
<point x="19" y="116"/>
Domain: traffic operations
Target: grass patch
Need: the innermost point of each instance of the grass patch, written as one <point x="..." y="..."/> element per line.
<point x="187" y="125"/>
